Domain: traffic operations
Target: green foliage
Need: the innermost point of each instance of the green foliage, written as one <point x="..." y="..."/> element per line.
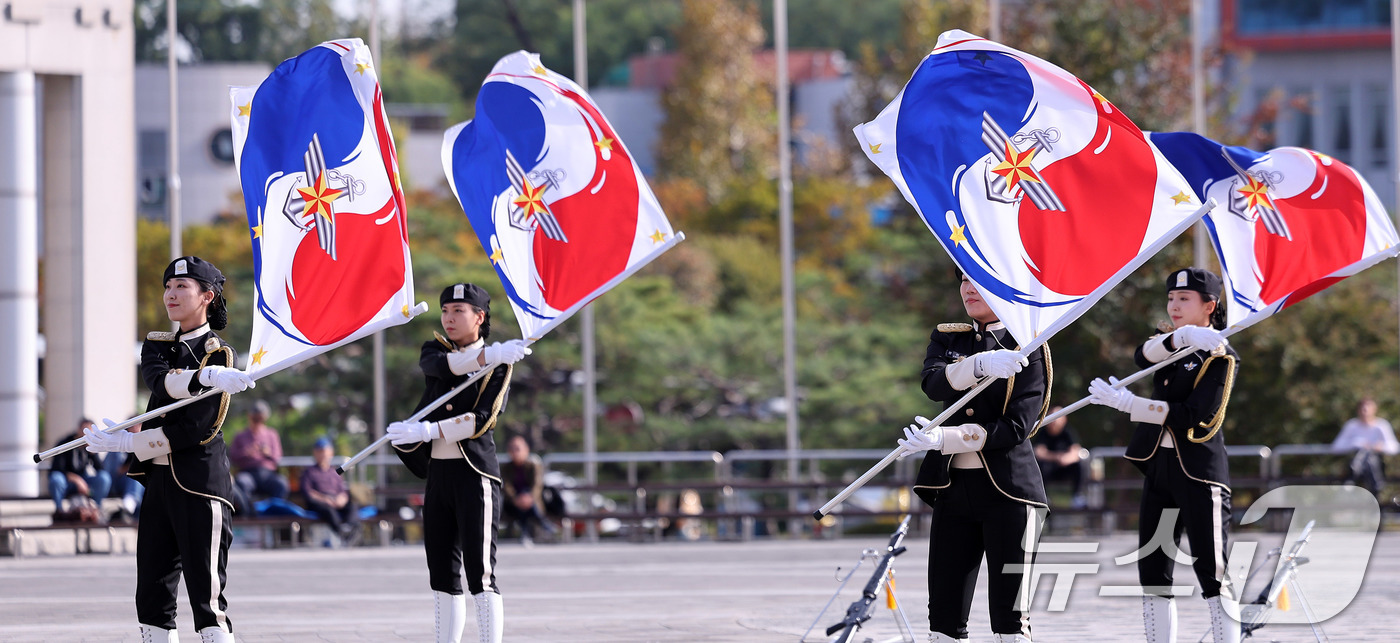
<point x="237" y="30"/>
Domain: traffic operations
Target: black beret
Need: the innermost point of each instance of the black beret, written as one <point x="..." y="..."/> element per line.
<point x="1198" y="279"/>
<point x="466" y="293"/>
<point x="197" y="269"/>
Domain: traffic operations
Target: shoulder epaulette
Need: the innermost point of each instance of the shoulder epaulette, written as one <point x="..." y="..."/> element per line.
<point x="444" y="341"/>
<point x="161" y="336"/>
<point x="954" y="328"/>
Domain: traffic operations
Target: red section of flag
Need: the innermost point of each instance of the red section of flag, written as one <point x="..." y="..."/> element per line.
<point x="1103" y="227"/>
<point x="1328" y="226"/>
<point x="599" y="221"/>
<point x="368" y="271"/>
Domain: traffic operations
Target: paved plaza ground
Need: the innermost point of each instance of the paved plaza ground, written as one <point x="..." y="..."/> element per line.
<point x="708" y="591"/>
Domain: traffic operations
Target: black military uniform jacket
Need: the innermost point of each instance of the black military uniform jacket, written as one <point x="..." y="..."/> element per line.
<point x="1009" y="410"/>
<point x="1196" y="389"/>
<point x="198" y="455"/>
<point x="485" y="398"/>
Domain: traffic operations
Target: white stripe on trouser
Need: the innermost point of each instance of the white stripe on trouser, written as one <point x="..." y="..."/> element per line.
<point x="1029" y="538"/>
<point x="487" y="510"/>
<point x="215" y="537"/>
<point x="1215" y="532"/>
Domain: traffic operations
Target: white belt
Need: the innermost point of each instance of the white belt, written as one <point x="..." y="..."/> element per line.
<point x="163" y="458"/>
<point x="1167" y="440"/>
<point x="444" y="450"/>
<point x="967" y="461"/>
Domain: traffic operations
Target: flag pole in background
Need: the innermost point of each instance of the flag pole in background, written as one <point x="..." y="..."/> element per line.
<point x="172" y="173"/>
<point x="1198" y="113"/>
<point x="1395" y="115"/>
<point x="380" y="415"/>
<point x="780" y="44"/>
<point x="587" y="330"/>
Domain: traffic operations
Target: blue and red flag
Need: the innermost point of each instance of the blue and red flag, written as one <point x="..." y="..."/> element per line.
<point x="555" y="198"/>
<point x="1291" y="221"/>
<point x="1038" y="187"/>
<point x="325" y="209"/>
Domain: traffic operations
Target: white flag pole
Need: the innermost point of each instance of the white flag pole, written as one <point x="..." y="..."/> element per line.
<point x="1027" y="350"/>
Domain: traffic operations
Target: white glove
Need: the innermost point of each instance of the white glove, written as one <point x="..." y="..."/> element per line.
<point x="104" y="442"/>
<point x="915" y="440"/>
<point x="411" y="432"/>
<point x="1101" y="392"/>
<point x="505" y="353"/>
<point x="1198" y="338"/>
<point x="1000" y="364"/>
<point x="228" y="380"/>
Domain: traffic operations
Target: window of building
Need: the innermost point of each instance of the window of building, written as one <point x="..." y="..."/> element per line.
<point x="1300" y="110"/>
<point x="1263" y="17"/>
<point x="1340" y="116"/>
<point x="1379" y="96"/>
<point x="151" y="165"/>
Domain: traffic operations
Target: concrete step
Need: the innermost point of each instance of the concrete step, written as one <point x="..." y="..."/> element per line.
<point x="38" y="512"/>
<point x="67" y="541"/>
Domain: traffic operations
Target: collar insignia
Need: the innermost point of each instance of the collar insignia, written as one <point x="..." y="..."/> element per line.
<point x="1190" y="366"/>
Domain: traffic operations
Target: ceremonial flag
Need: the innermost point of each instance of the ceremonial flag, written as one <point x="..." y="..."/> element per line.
<point x="1291" y="221"/>
<point x="554" y="196"/>
<point x="1039" y="188"/>
<point x="325" y="208"/>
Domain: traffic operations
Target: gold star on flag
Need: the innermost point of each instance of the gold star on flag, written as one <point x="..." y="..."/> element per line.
<point x="405" y="311"/>
<point x="604" y="144"/>
<point x="1256" y="194"/>
<point x="258" y="356"/>
<point x="958" y="237"/>
<point x="531" y="198"/>
<point x="257" y="231"/>
<point x="319" y="197"/>
<point x="875" y="148"/>
<point x="658" y="236"/>
<point x="361" y="67"/>
<point x="246" y="109"/>
<point x="1016" y="167"/>
<point x="539" y="69"/>
<point x="1180" y="198"/>
<point x="497" y="256"/>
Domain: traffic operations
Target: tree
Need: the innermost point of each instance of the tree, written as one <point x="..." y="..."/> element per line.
<point x="719" y="113"/>
<point x="237" y="30"/>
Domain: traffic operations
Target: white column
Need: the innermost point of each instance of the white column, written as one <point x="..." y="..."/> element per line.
<point x="19" y="285"/>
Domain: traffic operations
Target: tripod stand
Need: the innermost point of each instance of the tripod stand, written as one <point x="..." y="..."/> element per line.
<point x="859" y="611"/>
<point x="1254" y="616"/>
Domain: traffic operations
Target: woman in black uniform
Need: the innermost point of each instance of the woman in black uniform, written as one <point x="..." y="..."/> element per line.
<point x="983" y="484"/>
<point x="182" y="459"/>
<point x="1178" y="445"/>
<point x="454" y="448"/>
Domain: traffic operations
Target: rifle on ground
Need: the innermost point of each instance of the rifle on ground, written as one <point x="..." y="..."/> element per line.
<point x="860" y="611"/>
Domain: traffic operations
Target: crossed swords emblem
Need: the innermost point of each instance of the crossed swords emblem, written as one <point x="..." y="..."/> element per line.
<point x="528" y="207"/>
<point x="323" y="188"/>
<point x="1250" y="199"/>
<point x="1014" y="169"/>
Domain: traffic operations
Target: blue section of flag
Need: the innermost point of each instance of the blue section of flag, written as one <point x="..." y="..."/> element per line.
<point x="939" y="138"/>
<point x="508" y="117"/>
<point x="1202" y="161"/>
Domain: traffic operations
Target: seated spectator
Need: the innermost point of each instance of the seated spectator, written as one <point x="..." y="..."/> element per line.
<point x="78" y="474"/>
<point x="124" y="487"/>
<point x="327" y="494"/>
<point x="523" y="479"/>
<point x="1371" y="438"/>
<point x="256" y="453"/>
<point x="1057" y="453"/>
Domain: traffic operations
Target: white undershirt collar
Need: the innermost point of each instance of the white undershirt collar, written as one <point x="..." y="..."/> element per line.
<point x="198" y="332"/>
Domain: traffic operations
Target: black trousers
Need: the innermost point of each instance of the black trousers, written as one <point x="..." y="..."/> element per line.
<point x="971" y="518"/>
<point x="181" y="532"/>
<point x="1202" y="510"/>
<point x="338" y="519"/>
<point x="461" y="511"/>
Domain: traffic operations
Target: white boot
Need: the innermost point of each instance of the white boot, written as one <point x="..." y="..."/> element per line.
<point x="1159" y="619"/>
<point x="1011" y="638"/>
<point x="153" y="634"/>
<point x="490" y="617"/>
<point x="1223" y="625"/>
<point x="939" y="637"/>
<point x="449" y="617"/>
<point x="215" y="634"/>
